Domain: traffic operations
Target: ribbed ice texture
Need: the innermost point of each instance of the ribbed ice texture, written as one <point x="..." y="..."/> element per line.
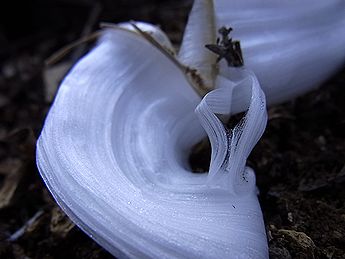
<point x="114" y="150"/>
<point x="291" y="45"/>
<point x="200" y="30"/>
<point x="230" y="149"/>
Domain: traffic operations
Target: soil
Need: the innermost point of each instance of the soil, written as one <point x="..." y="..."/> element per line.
<point x="299" y="162"/>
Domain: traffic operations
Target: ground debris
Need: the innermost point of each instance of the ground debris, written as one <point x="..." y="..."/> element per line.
<point x="12" y="170"/>
<point x="52" y="76"/>
<point x="279" y="253"/>
<point x="29" y="226"/>
<point x="60" y="224"/>
<point x="299" y="239"/>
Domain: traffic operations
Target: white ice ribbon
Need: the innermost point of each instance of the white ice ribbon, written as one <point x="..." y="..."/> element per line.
<point x="114" y="148"/>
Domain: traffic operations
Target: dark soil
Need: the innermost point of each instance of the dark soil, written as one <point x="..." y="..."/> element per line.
<point x="299" y="162"/>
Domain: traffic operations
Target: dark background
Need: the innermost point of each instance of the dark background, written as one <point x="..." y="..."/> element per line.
<point x="299" y="162"/>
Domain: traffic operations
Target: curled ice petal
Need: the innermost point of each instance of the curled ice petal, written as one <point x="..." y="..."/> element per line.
<point x="231" y="148"/>
<point x="292" y="46"/>
<point x="114" y="151"/>
<point x="114" y="147"/>
<point x="200" y="30"/>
